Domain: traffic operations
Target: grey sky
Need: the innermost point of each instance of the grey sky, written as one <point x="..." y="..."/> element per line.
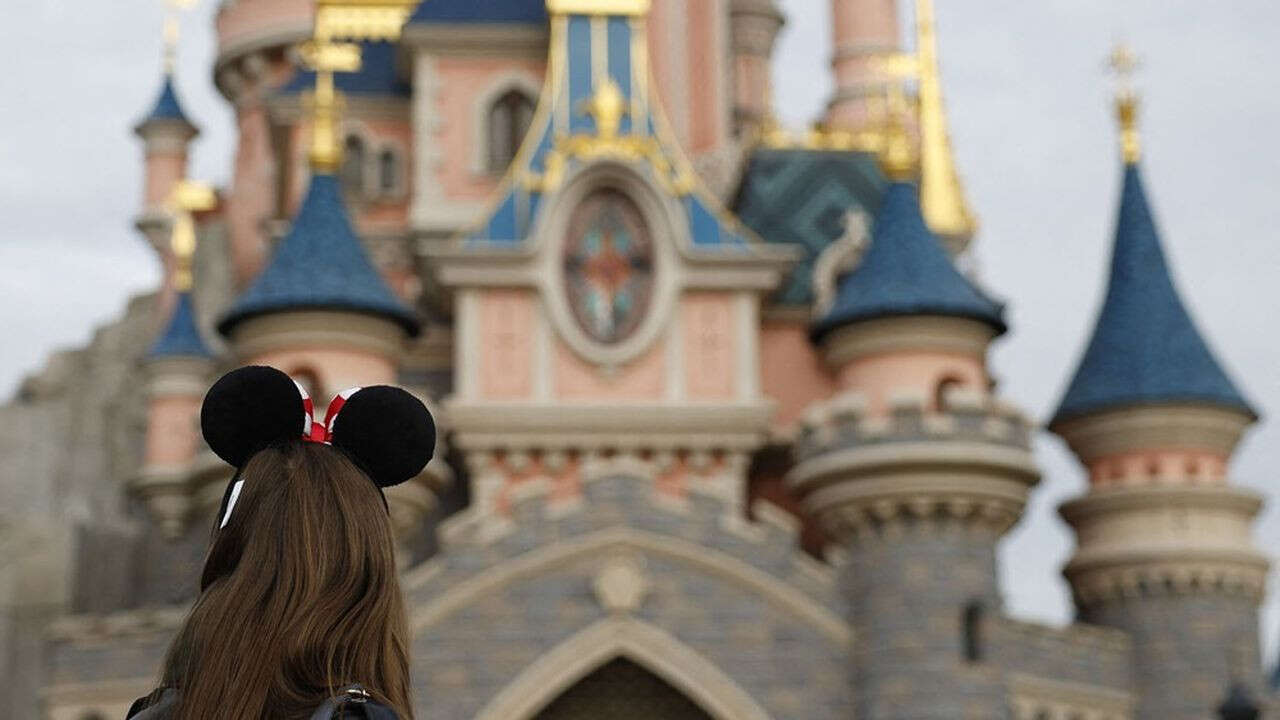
<point x="1035" y="141"/>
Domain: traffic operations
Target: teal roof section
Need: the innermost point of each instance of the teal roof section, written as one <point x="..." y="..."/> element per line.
<point x="803" y="198"/>
<point x="596" y="107"/>
<point x="181" y="336"/>
<point x="1145" y="348"/>
<point x="905" y="271"/>
<point x="167" y="108"/>
<point x="320" y="265"/>
<point x="481" y="11"/>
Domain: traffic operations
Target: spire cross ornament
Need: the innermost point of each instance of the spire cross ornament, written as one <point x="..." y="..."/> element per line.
<point x="187" y="198"/>
<point x="1124" y="64"/>
<point x="172" y="31"/>
<point x="350" y="20"/>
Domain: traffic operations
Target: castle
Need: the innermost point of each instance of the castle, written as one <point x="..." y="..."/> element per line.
<point x="718" y="435"/>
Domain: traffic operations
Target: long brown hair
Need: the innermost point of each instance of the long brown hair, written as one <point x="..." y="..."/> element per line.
<point x="300" y="596"/>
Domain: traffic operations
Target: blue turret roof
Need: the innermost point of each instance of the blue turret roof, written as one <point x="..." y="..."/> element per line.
<point x="905" y="271"/>
<point x="320" y="265"/>
<point x="167" y="107"/>
<point x="181" y="337"/>
<point x="480" y="11"/>
<point x="1145" y="347"/>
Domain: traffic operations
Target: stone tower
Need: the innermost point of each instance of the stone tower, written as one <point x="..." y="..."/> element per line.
<point x="178" y="369"/>
<point x="1163" y="542"/>
<point x="913" y="466"/>
<point x="166" y="134"/>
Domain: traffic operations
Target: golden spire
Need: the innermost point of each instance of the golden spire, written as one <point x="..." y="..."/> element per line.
<point x="187" y="198"/>
<point x="350" y="20"/>
<point x="1124" y="63"/>
<point x="172" y="32"/>
<point x="941" y="196"/>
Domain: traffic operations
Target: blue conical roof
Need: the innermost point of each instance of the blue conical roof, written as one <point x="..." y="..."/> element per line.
<point x="167" y="107"/>
<point x="906" y="271"/>
<point x="1145" y="348"/>
<point x="480" y="11"/>
<point x="181" y="336"/>
<point x="320" y="265"/>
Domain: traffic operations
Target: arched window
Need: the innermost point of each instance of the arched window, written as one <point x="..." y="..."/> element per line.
<point x="509" y="120"/>
<point x="352" y="173"/>
<point x="973" y="631"/>
<point x="388" y="171"/>
<point x="945" y="386"/>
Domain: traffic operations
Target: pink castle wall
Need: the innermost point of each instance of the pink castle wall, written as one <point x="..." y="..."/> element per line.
<point x="460" y="80"/>
<point x="506" y="344"/>
<point x="792" y="374"/>
<point x="710" y="345"/>
<point x="880" y="377"/>
<point x="334" y="369"/>
<point x="643" y="379"/>
<point x="171" y="430"/>
<point x="163" y="171"/>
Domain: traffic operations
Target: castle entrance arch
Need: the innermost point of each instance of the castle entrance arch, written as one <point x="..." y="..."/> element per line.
<point x="622" y="690"/>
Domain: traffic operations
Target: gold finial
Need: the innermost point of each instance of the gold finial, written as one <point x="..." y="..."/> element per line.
<point x="899" y="158"/>
<point x="1124" y="63"/>
<point x="942" y="199"/>
<point x="187" y="198"/>
<point x="607" y="106"/>
<point x="172" y="32"/>
<point x="347" y="20"/>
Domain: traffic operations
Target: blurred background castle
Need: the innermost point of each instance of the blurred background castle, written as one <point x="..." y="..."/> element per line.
<point x="720" y="436"/>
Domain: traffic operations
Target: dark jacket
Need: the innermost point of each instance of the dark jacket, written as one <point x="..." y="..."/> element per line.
<point x="349" y="704"/>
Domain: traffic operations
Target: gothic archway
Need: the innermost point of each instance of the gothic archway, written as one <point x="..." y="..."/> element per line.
<point x="561" y="673"/>
<point x="622" y="690"/>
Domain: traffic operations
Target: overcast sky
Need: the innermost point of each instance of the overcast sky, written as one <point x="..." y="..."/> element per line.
<point x="1034" y="137"/>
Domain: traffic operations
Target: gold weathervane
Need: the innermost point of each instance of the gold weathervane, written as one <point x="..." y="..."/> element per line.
<point x="186" y="199"/>
<point x="339" y="25"/>
<point x="1124" y="63"/>
<point x="172" y="31"/>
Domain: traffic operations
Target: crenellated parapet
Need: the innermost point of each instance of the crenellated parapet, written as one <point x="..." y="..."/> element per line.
<point x="861" y="472"/>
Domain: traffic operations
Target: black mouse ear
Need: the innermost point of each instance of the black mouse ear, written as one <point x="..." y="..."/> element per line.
<point x="388" y="432"/>
<point x="251" y="408"/>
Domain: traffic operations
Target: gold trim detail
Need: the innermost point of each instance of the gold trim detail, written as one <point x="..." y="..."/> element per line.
<point x="598" y="7"/>
<point x="188" y="197"/>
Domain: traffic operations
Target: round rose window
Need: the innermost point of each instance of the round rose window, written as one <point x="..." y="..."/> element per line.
<point x="608" y="266"/>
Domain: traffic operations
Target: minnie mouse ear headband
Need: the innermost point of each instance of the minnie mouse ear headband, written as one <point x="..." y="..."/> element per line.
<point x="387" y="432"/>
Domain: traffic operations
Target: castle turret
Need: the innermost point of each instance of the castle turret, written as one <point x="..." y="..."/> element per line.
<point x="320" y="310"/>
<point x="166" y="134"/>
<point x="1163" y="542"/>
<point x="863" y="33"/>
<point x="754" y="27"/>
<point x="178" y="368"/>
<point x="913" y="466"/>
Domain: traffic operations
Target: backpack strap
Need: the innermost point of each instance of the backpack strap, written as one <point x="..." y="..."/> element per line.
<point x="360" y="700"/>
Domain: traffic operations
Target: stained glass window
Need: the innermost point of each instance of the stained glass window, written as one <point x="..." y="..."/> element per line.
<point x="608" y="262"/>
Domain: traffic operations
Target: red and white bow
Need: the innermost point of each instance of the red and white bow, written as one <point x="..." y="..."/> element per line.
<point x="313" y="431"/>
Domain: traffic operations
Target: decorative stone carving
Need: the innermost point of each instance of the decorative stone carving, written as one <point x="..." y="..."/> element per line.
<point x="621" y="585"/>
